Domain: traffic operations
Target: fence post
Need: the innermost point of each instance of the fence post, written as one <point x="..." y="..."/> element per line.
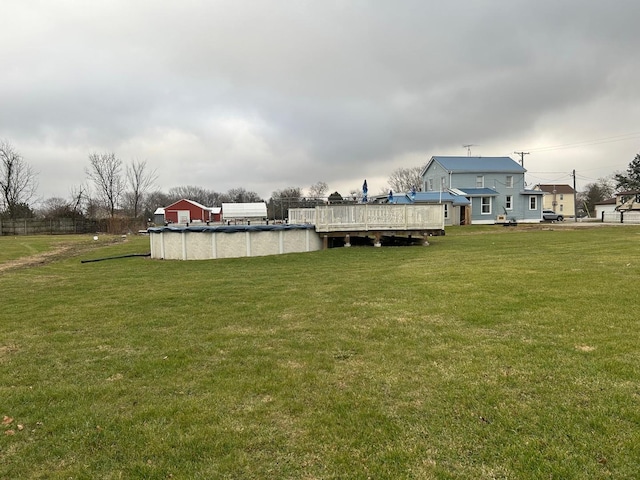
<point x="621" y="216"/>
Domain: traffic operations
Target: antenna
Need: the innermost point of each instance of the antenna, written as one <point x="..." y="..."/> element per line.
<point x="468" y="147"/>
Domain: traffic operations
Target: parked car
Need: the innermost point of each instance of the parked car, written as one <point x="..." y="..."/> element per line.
<point x="551" y="216"/>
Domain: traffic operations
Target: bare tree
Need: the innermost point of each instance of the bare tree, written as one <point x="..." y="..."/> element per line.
<point x="282" y="200"/>
<point x="241" y="195"/>
<point x="56" y="207"/>
<point x="140" y="180"/>
<point x="594" y="193"/>
<point x="201" y="195"/>
<point x="318" y="190"/>
<point x="105" y="172"/>
<point x="18" y="182"/>
<point x="404" y="179"/>
<point x="79" y="199"/>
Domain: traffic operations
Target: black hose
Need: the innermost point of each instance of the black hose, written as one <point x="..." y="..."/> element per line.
<point x="117" y="256"/>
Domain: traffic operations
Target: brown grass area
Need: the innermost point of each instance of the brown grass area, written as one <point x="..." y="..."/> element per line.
<point x="58" y="252"/>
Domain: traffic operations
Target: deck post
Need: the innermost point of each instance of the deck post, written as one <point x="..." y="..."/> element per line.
<point x="377" y="242"/>
<point x="347" y="240"/>
<point x="325" y="242"/>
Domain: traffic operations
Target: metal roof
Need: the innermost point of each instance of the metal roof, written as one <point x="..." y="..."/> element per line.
<point x="479" y="192"/>
<point x="426" y="197"/>
<point x="192" y="202"/>
<point x="478" y="164"/>
<point x="244" y="210"/>
<point x="436" y="197"/>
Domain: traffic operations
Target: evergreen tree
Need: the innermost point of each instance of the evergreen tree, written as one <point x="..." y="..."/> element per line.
<point x="630" y="181"/>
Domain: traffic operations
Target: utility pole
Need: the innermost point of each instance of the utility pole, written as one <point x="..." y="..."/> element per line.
<point x="575" y="194"/>
<point x="522" y="154"/>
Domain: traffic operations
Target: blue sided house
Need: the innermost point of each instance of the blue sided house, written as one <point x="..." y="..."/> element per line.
<point x="455" y="206"/>
<point x="494" y="187"/>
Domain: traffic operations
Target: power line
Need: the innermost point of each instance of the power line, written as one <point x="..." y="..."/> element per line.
<point x="586" y="143"/>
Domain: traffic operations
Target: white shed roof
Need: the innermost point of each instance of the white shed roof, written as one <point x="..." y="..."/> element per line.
<point x="244" y="210"/>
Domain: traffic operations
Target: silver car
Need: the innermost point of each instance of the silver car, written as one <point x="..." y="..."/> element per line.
<point x="551" y="216"/>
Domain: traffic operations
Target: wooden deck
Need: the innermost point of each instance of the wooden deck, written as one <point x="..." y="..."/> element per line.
<point x="375" y="221"/>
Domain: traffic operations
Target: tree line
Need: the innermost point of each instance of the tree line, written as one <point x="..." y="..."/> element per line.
<point x="115" y="188"/>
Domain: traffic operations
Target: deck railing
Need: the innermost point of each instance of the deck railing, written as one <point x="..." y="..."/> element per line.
<point x="369" y="217"/>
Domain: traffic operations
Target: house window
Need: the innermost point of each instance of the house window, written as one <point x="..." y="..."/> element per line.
<point x="443" y="183"/>
<point x="446" y="210"/>
<point x="509" y="183"/>
<point x="486" y="205"/>
<point x="561" y="196"/>
<point x="561" y="207"/>
<point x="508" y="202"/>
<point x="533" y="202"/>
<point x="480" y="181"/>
<point x="431" y="184"/>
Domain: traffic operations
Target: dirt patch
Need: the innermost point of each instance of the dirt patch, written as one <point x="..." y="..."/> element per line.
<point x="585" y="348"/>
<point x="6" y="350"/>
<point x="59" y="252"/>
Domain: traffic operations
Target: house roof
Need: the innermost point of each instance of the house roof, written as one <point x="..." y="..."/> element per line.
<point x="159" y="211"/>
<point x="244" y="210"/>
<point x="608" y="201"/>
<point x="478" y="192"/>
<point x="199" y="205"/>
<point x="426" y="197"/>
<point x="436" y="197"/>
<point x="549" y="188"/>
<point x="477" y="164"/>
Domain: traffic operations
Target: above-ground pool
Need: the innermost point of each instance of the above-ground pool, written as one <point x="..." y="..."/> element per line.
<point x="201" y="242"/>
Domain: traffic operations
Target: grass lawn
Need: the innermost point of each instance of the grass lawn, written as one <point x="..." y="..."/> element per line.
<point x="493" y="353"/>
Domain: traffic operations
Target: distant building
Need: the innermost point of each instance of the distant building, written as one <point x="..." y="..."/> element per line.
<point x="187" y="211"/>
<point x="558" y="197"/>
<point x="605" y="206"/>
<point x="628" y="200"/>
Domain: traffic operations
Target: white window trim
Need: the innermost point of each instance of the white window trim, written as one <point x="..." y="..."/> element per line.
<point x="446" y="210"/>
<point x="479" y="181"/>
<point x="535" y="198"/>
<point x="482" y="212"/>
<point x="508" y="201"/>
<point x="507" y="183"/>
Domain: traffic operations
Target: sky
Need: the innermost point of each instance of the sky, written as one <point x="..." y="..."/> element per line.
<point x="271" y="94"/>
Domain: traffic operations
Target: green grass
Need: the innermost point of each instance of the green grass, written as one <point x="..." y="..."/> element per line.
<point x="493" y="353"/>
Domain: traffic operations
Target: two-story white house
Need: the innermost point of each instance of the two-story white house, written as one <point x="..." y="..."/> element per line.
<point x="495" y="187"/>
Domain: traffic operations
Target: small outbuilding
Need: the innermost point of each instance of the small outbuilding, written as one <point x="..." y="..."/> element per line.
<point x="256" y="211"/>
<point x="605" y="206"/>
<point x="187" y="211"/>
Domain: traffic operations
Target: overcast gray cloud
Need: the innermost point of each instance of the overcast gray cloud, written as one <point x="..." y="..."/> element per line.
<point x="272" y="94"/>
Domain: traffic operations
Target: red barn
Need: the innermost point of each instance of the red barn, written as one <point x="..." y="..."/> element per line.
<point x="188" y="211"/>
